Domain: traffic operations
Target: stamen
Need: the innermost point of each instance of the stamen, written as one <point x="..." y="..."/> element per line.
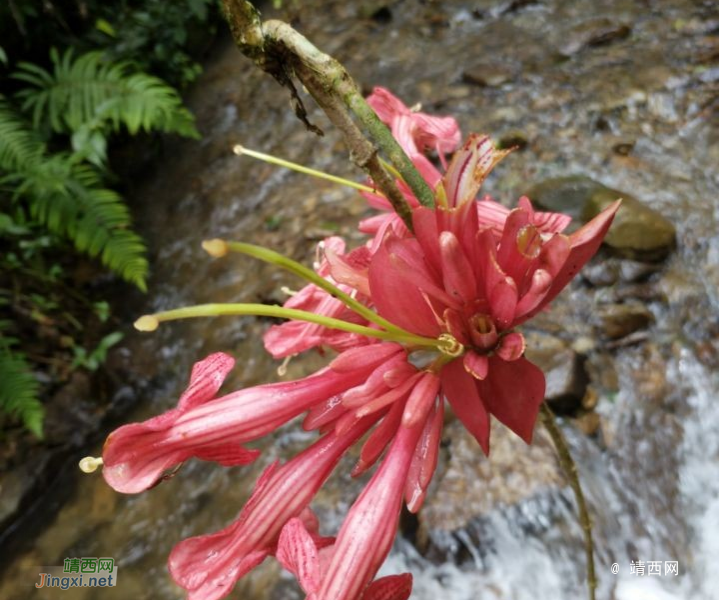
<point x="282" y="369"/>
<point x="391" y="168"/>
<point x="89" y="464"/>
<point x="216" y="248"/>
<point x="275" y="258"/>
<point x="449" y="345"/>
<point x="147" y="323"/>
<point x="285" y="290"/>
<point x="151" y="322"/>
<point x="240" y="150"/>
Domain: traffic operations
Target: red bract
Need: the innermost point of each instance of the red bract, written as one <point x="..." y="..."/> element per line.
<point x="458" y="277"/>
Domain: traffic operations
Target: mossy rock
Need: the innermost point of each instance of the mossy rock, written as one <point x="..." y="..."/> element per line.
<point x="638" y="231"/>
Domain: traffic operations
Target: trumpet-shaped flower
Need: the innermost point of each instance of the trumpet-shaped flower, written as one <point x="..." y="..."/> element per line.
<point x="365" y="538"/>
<point x="208" y="566"/>
<point x="136" y="456"/>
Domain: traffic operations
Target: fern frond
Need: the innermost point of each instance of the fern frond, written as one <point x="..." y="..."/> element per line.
<point x="89" y="90"/>
<point x="19" y="391"/>
<point x="20" y="146"/>
<point x="70" y="199"/>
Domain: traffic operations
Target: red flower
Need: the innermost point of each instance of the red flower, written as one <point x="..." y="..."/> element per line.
<point x="136" y="456"/>
<point x="458" y="277"/>
<point x="445" y="300"/>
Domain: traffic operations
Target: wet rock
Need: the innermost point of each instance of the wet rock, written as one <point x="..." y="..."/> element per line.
<point x="619" y="320"/>
<point x="516" y="140"/>
<point x="593" y="32"/>
<point x="69" y="414"/>
<point x="563" y="369"/>
<point x="564" y="194"/>
<point x="638" y="231"/>
<point x="487" y="75"/>
<point x="473" y="486"/>
<point x="589" y="423"/>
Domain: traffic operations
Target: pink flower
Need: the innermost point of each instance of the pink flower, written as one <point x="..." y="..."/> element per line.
<point x="458" y="277"/>
<point x="208" y="566"/>
<point x="366" y="536"/>
<point x="293" y="337"/>
<point x="415" y="131"/>
<point x="136" y="456"/>
<point x="448" y="296"/>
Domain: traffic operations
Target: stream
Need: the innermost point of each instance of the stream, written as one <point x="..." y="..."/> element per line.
<point x="623" y="92"/>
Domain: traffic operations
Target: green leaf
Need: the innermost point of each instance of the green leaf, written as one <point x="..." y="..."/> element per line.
<point x="105" y="27"/>
<point x="19" y="391"/>
<point x="90" y="91"/>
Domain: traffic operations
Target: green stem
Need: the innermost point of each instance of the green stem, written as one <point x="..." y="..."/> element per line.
<point x="385" y="140"/>
<point x="150" y="322"/>
<point x="283" y="52"/>
<point x="275" y="258"/>
<point x="570" y="470"/>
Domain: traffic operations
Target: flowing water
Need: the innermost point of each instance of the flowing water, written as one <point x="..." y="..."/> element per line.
<point x="623" y="92"/>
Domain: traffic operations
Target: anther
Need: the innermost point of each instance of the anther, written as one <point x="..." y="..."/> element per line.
<point x="285" y="290"/>
<point x="89" y="464"/>
<point x="147" y="323"/>
<point x="450" y="346"/>
<point x="216" y="248"/>
<point x="282" y="369"/>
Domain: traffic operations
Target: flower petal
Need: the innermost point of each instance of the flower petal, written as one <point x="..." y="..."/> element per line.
<point x="511" y="346"/>
<point x="396" y="294"/>
<point x="584" y="243"/>
<point x="461" y="391"/>
<point x="296" y="552"/>
<point x="391" y="587"/>
<point x="513" y="392"/>
<point x="457" y="273"/>
<point x="477" y="365"/>
<point x="206" y="379"/>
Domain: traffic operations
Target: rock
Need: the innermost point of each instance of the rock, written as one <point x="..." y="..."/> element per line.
<point x="589" y="423"/>
<point x="563" y="369"/>
<point x="638" y="231"/>
<point x="472" y="486"/>
<point x="487" y="75"/>
<point x="70" y="413"/>
<point x="593" y="32"/>
<point x="619" y="320"/>
<point x="602" y="372"/>
<point x="516" y="140"/>
<point x="615" y="270"/>
<point x="564" y="194"/>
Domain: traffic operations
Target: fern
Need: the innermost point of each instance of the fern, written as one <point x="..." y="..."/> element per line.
<point x="68" y="197"/>
<point x="18" y="387"/>
<point x="19" y="145"/>
<point x="89" y="91"/>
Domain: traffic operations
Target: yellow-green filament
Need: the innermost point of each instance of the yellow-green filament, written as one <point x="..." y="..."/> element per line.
<point x="264" y="310"/>
<point x="275" y="258"/>
<point x="240" y="150"/>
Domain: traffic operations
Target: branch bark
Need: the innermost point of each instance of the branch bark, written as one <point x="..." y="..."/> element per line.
<point x="284" y="53"/>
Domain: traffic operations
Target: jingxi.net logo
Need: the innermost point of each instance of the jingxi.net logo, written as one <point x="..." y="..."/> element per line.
<point x="80" y="572"/>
